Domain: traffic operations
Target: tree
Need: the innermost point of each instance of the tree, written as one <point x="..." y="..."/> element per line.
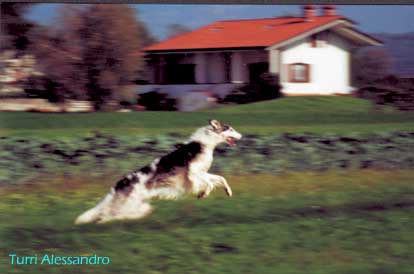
<point x="60" y="50"/>
<point x="93" y="52"/>
<point x="369" y="65"/>
<point x="147" y="39"/>
<point x="14" y="28"/>
<point x="176" y="29"/>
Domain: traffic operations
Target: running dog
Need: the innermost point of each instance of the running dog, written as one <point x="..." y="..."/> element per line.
<point x="182" y="171"/>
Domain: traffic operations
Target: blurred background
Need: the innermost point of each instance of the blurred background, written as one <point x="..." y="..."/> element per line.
<point x="322" y="184"/>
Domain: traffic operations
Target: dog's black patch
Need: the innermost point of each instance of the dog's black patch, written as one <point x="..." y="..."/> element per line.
<point x="180" y="157"/>
<point x="145" y="170"/>
<point x="122" y="184"/>
<point x="126" y="182"/>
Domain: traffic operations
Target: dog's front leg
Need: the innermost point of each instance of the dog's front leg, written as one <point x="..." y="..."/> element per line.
<point x="201" y="184"/>
<point x="220" y="181"/>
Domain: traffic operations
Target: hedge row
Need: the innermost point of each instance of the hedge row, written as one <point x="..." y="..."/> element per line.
<point x="99" y="154"/>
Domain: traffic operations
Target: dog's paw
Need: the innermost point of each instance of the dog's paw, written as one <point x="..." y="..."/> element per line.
<point x="229" y="192"/>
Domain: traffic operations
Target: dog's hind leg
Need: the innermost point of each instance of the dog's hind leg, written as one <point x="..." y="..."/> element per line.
<point x="94" y="214"/>
<point x="135" y="209"/>
<point x="141" y="211"/>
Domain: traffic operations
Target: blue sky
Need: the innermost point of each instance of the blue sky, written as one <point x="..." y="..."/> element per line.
<point x="372" y="19"/>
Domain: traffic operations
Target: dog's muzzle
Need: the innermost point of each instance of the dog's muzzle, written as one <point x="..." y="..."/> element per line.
<point x="231" y="140"/>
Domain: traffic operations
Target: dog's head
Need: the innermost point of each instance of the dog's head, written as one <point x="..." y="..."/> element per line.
<point x="223" y="132"/>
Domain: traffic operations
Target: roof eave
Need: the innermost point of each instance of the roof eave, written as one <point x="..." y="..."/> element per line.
<point x="198" y="50"/>
<point x="359" y="37"/>
<point x="341" y="21"/>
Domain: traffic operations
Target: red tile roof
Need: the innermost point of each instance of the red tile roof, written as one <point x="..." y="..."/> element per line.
<point x="243" y="33"/>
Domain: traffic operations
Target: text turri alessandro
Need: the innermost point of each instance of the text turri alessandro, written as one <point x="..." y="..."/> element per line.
<point x="52" y="259"/>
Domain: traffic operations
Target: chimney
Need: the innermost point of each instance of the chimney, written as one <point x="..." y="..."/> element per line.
<point x="329" y="10"/>
<point x="309" y="12"/>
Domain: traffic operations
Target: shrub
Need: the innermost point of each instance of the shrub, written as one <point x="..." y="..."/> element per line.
<point x="266" y="88"/>
<point x="155" y="100"/>
<point x="44" y="87"/>
<point x="391" y="91"/>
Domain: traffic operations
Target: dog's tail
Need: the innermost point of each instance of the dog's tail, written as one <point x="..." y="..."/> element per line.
<point x="119" y="204"/>
<point x="94" y="214"/>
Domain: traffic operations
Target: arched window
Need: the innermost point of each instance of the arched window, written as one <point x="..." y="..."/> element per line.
<point x="299" y="73"/>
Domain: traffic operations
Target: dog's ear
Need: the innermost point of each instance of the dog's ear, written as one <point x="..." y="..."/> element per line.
<point x="215" y="124"/>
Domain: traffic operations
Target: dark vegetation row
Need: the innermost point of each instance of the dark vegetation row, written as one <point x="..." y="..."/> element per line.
<point x="102" y="154"/>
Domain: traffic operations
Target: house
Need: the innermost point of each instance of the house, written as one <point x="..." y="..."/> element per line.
<point x="311" y="54"/>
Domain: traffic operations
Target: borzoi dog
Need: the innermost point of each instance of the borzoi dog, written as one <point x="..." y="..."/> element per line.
<point x="183" y="171"/>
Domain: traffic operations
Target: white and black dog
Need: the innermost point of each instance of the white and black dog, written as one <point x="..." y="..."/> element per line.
<point x="183" y="171"/>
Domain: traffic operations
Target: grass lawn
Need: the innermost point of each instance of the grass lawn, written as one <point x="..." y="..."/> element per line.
<point x="293" y="114"/>
<point x="330" y="222"/>
<point x="335" y="221"/>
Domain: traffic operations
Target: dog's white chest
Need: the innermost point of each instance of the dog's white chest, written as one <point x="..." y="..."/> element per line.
<point x="203" y="162"/>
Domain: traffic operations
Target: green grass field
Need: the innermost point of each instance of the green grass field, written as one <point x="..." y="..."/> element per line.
<point x="333" y="221"/>
<point x="294" y="114"/>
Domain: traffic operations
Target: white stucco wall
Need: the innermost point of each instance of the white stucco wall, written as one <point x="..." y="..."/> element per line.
<point x="274" y="61"/>
<point x="215" y="68"/>
<point x="200" y="61"/>
<point x="237" y="68"/>
<point x="329" y="66"/>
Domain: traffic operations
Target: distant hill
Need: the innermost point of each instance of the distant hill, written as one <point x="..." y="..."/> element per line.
<point x="401" y="48"/>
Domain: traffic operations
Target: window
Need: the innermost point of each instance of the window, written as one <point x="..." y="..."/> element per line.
<point x="299" y="73"/>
